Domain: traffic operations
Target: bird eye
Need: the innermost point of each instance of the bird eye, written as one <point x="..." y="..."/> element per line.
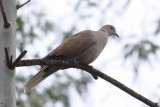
<point x="112" y="28"/>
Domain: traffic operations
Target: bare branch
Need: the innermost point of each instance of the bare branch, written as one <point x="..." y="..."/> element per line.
<point x="19" y="6"/>
<point x="91" y="70"/>
<point x="6" y="24"/>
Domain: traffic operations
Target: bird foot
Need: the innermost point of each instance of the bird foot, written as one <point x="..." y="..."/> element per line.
<point x="76" y="63"/>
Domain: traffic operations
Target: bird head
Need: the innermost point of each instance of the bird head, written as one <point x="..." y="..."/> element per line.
<point x="110" y="29"/>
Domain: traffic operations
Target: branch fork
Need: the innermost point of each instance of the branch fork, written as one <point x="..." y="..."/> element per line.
<point x="11" y="65"/>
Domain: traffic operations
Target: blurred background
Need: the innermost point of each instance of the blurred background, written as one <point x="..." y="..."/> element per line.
<point x="133" y="59"/>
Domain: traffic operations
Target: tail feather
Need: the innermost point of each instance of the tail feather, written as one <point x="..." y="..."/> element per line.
<point x="40" y="76"/>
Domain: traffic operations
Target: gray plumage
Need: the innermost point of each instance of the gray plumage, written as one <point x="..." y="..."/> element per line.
<point x="84" y="46"/>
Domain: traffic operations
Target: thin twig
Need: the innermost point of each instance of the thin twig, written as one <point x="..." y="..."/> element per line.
<point x="10" y="62"/>
<point x="6" y="24"/>
<point x="19" y="6"/>
<point x="7" y="56"/>
<point x="91" y="70"/>
<point x="18" y="59"/>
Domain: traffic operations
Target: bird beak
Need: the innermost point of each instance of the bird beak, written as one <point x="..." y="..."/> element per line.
<point x="117" y="35"/>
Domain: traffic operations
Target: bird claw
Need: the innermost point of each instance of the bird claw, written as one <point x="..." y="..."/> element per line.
<point x="76" y="63"/>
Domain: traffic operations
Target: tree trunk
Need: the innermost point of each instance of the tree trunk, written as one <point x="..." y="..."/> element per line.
<point x="7" y="39"/>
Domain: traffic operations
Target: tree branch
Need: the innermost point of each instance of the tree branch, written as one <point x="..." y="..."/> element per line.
<point x="19" y="6"/>
<point x="91" y="70"/>
<point x="6" y="24"/>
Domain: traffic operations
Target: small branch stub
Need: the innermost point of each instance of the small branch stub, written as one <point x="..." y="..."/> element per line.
<point x="19" y="6"/>
<point x="7" y="56"/>
<point x="11" y="59"/>
<point x="6" y="23"/>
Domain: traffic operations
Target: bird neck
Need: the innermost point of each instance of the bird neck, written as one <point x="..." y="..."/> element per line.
<point x="105" y="31"/>
<point x="102" y="30"/>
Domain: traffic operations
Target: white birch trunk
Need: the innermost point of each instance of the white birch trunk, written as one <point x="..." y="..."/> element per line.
<point x="7" y="39"/>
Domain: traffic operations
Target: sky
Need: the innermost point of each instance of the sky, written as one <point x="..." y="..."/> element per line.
<point x="138" y="19"/>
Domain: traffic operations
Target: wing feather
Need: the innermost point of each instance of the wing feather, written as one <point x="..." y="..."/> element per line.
<point x="73" y="46"/>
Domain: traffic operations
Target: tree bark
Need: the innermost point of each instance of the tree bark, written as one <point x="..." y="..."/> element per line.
<point x="7" y="39"/>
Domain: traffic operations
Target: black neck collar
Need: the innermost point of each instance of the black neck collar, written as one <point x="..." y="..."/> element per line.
<point x="102" y="30"/>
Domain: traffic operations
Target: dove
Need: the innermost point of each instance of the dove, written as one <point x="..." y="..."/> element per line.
<point x="84" y="47"/>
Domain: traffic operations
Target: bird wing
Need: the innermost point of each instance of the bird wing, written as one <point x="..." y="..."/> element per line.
<point x="73" y="46"/>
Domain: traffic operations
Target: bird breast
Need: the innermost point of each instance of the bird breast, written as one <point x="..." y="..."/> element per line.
<point x="94" y="51"/>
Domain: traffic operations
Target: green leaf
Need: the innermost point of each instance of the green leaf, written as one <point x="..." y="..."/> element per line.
<point x="20" y="24"/>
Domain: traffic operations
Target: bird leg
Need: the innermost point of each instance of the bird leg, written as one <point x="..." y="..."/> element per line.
<point x="76" y="63"/>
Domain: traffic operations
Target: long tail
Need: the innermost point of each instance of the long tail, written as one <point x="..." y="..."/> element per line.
<point x="40" y="76"/>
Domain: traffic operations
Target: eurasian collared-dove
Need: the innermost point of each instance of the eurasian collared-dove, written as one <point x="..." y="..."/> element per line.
<point x="84" y="47"/>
